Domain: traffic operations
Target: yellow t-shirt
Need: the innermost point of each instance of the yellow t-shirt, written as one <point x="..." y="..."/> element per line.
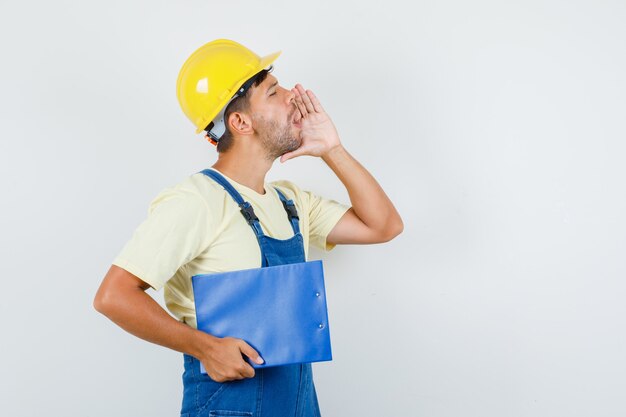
<point x="195" y="227"/>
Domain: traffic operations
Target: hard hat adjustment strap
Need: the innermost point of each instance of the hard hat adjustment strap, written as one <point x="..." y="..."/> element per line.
<point x="216" y="129"/>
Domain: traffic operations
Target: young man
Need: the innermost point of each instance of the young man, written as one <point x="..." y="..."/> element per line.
<point x="195" y="227"/>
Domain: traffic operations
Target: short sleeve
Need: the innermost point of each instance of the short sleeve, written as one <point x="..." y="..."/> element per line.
<point x="176" y="230"/>
<point x="323" y="216"/>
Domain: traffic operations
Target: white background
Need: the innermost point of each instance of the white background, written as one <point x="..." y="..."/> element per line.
<point x="497" y="128"/>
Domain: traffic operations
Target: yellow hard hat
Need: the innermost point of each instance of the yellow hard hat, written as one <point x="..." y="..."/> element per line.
<point x="211" y="77"/>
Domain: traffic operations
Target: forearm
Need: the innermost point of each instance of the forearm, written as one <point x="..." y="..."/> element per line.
<point x="369" y="201"/>
<point x="139" y="314"/>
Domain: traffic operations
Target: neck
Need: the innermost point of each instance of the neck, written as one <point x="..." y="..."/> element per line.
<point x="245" y="166"/>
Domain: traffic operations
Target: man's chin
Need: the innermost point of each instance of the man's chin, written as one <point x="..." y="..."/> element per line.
<point x="295" y="145"/>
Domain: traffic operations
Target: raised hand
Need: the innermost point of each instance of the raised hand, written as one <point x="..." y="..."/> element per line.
<point x="318" y="132"/>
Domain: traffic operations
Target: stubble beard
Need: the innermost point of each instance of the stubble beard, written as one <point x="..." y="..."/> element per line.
<point x="277" y="138"/>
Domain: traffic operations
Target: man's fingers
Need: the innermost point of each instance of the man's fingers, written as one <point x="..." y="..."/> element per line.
<point x="300" y="103"/>
<point x="305" y="99"/>
<point x="247" y="371"/>
<point x="316" y="103"/>
<point x="249" y="351"/>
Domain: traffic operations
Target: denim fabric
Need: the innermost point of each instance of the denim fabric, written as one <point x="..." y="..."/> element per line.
<point x="279" y="391"/>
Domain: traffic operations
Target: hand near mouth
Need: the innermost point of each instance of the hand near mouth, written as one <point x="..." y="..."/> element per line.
<point x="317" y="132"/>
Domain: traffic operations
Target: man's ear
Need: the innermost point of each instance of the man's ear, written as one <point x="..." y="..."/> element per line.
<point x="240" y="123"/>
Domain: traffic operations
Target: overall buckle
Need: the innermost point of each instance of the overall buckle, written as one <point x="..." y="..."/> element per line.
<point x="290" y="208"/>
<point x="248" y="213"/>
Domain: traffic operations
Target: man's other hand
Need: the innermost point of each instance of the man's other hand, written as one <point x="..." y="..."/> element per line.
<point x="224" y="360"/>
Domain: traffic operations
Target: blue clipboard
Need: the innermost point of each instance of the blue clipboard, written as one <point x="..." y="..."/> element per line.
<point x="278" y="310"/>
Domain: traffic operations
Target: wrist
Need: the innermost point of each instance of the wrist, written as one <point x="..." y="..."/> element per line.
<point x="332" y="152"/>
<point x="202" y="344"/>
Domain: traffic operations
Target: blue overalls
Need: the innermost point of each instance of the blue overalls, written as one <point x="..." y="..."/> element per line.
<point x="279" y="391"/>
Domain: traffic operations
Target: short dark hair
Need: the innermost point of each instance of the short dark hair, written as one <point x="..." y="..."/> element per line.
<point x="240" y="103"/>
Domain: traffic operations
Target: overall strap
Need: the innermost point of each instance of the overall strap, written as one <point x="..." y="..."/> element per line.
<point x="292" y="213"/>
<point x="246" y="209"/>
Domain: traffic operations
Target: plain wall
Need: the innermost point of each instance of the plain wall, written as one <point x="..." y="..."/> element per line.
<point x="497" y="129"/>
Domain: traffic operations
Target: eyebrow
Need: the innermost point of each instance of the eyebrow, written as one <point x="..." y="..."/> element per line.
<point x="273" y="85"/>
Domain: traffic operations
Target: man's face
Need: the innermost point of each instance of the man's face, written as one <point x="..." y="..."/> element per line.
<point x="275" y="117"/>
